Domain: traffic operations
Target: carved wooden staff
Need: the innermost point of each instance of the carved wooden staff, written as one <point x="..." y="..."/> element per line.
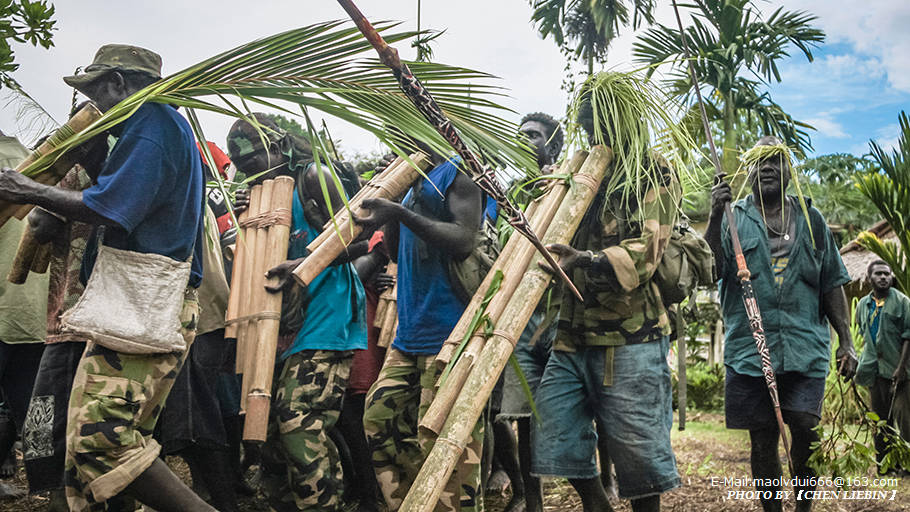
<point x="446" y="451"/>
<point x="426" y="105"/>
<point x="742" y="270"/>
<point x="392" y="183"/>
<point x="81" y="120"/>
<point x="275" y="226"/>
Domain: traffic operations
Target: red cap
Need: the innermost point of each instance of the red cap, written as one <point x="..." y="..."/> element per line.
<point x="221" y="159"/>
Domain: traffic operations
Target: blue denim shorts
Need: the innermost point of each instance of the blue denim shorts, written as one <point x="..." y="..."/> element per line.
<point x="532" y="359"/>
<point x="635" y="412"/>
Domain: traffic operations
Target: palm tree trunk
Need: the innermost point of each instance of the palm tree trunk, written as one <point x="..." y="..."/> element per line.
<point x="730" y="150"/>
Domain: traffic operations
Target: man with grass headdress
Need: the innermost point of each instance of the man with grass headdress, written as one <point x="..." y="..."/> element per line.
<point x="321" y="326"/>
<point x="797" y="275"/>
<point x="609" y="356"/>
<point x="148" y="199"/>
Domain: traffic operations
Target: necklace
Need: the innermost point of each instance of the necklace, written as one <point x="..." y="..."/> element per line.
<point x="785" y="233"/>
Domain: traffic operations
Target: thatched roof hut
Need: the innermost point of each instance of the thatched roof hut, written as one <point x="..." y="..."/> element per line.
<point x="857" y="259"/>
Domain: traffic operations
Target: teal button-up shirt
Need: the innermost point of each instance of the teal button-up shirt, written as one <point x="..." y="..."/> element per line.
<point x="882" y="353"/>
<point x="796" y="328"/>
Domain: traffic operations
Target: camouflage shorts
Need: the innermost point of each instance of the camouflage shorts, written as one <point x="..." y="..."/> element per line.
<point x="301" y="465"/>
<point x="395" y="404"/>
<point x="113" y="408"/>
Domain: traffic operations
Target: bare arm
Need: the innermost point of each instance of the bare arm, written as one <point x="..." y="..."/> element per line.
<point x="834" y="304"/>
<point x="455" y="237"/>
<point x="17" y="188"/>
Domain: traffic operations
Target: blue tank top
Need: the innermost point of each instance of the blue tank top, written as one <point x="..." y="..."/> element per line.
<point x="428" y="308"/>
<point x="335" y="315"/>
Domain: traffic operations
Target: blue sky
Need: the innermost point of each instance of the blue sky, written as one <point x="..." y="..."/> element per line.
<point x="845" y="95"/>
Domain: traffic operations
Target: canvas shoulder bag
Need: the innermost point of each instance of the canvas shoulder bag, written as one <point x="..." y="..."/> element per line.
<point x="132" y="302"/>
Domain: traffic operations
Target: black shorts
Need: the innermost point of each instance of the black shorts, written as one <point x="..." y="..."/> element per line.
<point x="747" y="404"/>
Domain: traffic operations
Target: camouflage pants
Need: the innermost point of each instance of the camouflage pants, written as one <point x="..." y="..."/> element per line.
<point x="113" y="408"/>
<point x="396" y="403"/>
<point x="301" y="465"/>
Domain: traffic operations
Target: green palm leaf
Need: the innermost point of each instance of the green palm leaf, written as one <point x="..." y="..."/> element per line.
<point x="324" y="67"/>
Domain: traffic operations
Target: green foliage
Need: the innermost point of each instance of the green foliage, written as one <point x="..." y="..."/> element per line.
<point x="705" y="386"/>
<point x="889" y="191"/>
<point x="584" y="29"/>
<point x="831" y="182"/>
<point x="636" y="120"/>
<point x="731" y="43"/>
<point x="848" y="427"/>
<point x="23" y="21"/>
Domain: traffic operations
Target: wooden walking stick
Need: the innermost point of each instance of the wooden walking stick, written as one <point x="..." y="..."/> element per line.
<point x="426" y="105"/>
<point x="742" y="270"/>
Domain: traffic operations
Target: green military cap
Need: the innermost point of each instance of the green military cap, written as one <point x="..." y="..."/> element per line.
<point x="122" y="57"/>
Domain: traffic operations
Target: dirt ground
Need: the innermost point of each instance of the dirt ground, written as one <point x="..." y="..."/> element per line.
<point x="706" y="453"/>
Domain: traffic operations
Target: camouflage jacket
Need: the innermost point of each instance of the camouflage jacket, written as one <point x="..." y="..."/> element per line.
<point x="623" y="306"/>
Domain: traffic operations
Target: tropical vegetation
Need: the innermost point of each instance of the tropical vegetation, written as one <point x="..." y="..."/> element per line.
<point x="736" y="55"/>
<point x="889" y="191"/>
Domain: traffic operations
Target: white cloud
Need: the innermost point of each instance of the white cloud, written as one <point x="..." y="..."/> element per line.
<point x="875" y="29"/>
<point x="828" y="126"/>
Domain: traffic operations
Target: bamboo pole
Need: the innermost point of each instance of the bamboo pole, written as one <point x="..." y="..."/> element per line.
<point x="42" y="259"/>
<point x="263" y="353"/>
<point x="247" y="283"/>
<point x="366" y="192"/>
<point x="386" y="298"/>
<point x="250" y="329"/>
<point x="437" y="468"/>
<point x="461" y="328"/>
<point x="81" y="120"/>
<point x="237" y="277"/>
<point x="390" y="322"/>
<point x="25" y="257"/>
<point x="321" y="255"/>
<point x="516" y="262"/>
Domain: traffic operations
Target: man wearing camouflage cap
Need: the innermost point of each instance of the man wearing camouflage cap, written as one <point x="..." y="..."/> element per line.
<point x="148" y="198"/>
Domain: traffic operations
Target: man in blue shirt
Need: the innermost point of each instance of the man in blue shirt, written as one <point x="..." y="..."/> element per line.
<point x="434" y="224"/>
<point x="148" y="198"/>
<point x="798" y="278"/>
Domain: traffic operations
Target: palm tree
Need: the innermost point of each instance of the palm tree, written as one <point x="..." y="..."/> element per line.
<point x="735" y="53"/>
<point x="889" y="191"/>
<point x="585" y="28"/>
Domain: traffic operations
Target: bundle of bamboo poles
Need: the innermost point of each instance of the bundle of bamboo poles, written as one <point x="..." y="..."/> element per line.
<point x="81" y="120"/>
<point x="253" y="313"/>
<point x="340" y="231"/>
<point x="32" y="256"/>
<point x="510" y="321"/>
<point x="386" y="318"/>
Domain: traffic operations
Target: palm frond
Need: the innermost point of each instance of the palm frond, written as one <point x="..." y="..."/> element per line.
<point x="324" y="67"/>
